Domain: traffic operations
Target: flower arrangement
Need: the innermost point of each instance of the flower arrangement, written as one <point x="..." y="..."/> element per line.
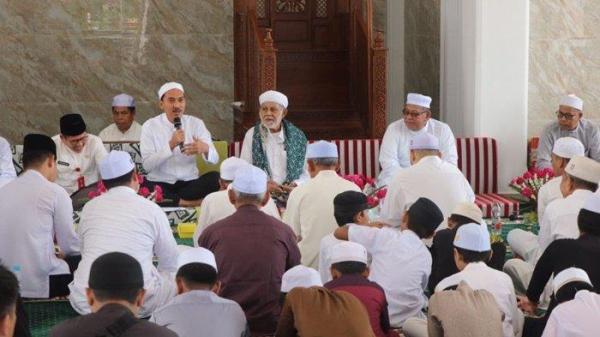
<point x="368" y="187"/>
<point x="529" y="184"/>
<point x="156" y="195"/>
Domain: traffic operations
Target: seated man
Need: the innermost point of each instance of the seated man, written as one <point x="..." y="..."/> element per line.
<point x="170" y="143"/>
<point x="124" y="128"/>
<point x="9" y="294"/>
<point x="34" y="214"/>
<point x="7" y="169"/>
<point x="122" y="221"/>
<point x="216" y="206"/>
<point x="401" y="263"/>
<point x="78" y="154"/>
<point x="115" y="294"/>
<point x="299" y="276"/>
<point x="569" y="123"/>
<point x="394" y="154"/>
<point x="275" y="145"/>
<point x="197" y="310"/>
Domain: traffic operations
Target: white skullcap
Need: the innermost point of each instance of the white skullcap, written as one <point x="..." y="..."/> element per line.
<point x="418" y="99"/>
<point x="572" y="101"/>
<point x="229" y="166"/>
<point x="592" y="203"/>
<point x="116" y="164"/>
<point x="169" y="86"/>
<point x="273" y="96"/>
<point x="584" y="168"/>
<point x="300" y="276"/>
<point x="469" y="210"/>
<point x="321" y="149"/>
<point x="570" y="275"/>
<point x="348" y="252"/>
<point x="196" y="255"/>
<point x="568" y="147"/>
<point x="425" y="141"/>
<point x="473" y="237"/>
<point x="123" y="100"/>
<point x="250" y="179"/>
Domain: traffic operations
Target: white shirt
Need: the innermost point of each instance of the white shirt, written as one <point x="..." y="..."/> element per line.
<point x="216" y="206"/>
<point x="479" y="276"/>
<point x="549" y="192"/>
<point x="401" y="266"/>
<point x="122" y="221"/>
<point x="310" y="212"/>
<point x="7" y="169"/>
<point x="33" y="211"/>
<point x="327" y="243"/>
<point x="432" y="178"/>
<point x="579" y="317"/>
<point x="112" y="133"/>
<point x="72" y="165"/>
<point x="164" y="164"/>
<point x="274" y="147"/>
<point x="395" y="154"/>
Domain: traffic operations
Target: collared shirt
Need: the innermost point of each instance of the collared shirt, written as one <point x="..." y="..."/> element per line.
<point x="164" y="164"/>
<point x="395" y="154"/>
<point x="122" y="221"/>
<point x="201" y="313"/>
<point x="549" y="192"/>
<point x="274" y="147"/>
<point x="112" y="133"/>
<point x="579" y="317"/>
<point x="252" y="250"/>
<point x="310" y="212"/>
<point x="72" y="165"/>
<point x="587" y="132"/>
<point x="431" y="178"/>
<point x="401" y="266"/>
<point x="327" y="242"/>
<point x="7" y="169"/>
<point x="479" y="276"/>
<point x="33" y="211"/>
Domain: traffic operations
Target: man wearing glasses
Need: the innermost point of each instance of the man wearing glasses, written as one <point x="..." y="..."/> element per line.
<point x="394" y="153"/>
<point x="569" y="123"/>
<point x="78" y="154"/>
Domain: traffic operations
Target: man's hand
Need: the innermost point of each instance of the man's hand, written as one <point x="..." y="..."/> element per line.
<point x="526" y="305"/>
<point x="177" y="138"/>
<point x="274" y="187"/>
<point x="196" y="147"/>
<point x="289" y="187"/>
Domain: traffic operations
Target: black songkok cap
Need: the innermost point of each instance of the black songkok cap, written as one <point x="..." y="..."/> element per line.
<point x="426" y="214"/>
<point x="38" y="142"/>
<point x="72" y="125"/>
<point x="116" y="271"/>
<point x="349" y="202"/>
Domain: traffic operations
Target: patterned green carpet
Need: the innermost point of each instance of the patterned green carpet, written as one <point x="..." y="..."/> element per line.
<point x="44" y="315"/>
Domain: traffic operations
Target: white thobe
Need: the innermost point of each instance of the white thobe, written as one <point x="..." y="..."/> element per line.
<point x="310" y="212"/>
<point x="327" y="243"/>
<point x="548" y="193"/>
<point x="164" y="164"/>
<point x="7" y="169"/>
<point x="216" y="206"/>
<point x="112" y="133"/>
<point x="401" y="265"/>
<point x="395" y="154"/>
<point x="274" y="147"/>
<point x="432" y="178"/>
<point x="479" y="276"/>
<point x="33" y="211"/>
<point x="72" y="165"/>
<point x="122" y="221"/>
<point x="579" y="317"/>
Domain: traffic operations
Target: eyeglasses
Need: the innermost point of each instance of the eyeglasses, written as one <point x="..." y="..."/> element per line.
<point x="81" y="140"/>
<point x="412" y="114"/>
<point x="567" y="116"/>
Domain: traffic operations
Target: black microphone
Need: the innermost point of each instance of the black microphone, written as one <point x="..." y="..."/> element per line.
<point x="177" y="124"/>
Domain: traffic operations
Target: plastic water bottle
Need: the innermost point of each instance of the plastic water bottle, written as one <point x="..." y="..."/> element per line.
<point x="497" y="219"/>
<point x="16" y="269"/>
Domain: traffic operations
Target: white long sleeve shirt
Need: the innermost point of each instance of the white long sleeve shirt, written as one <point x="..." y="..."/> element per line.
<point x="579" y="317"/>
<point x="548" y="193"/>
<point x="395" y="154"/>
<point x="164" y="164"/>
<point x="33" y="211"/>
<point x="479" y="276"/>
<point x="7" y="169"/>
<point x="112" y="133"/>
<point x="72" y="165"/>
<point x="327" y="243"/>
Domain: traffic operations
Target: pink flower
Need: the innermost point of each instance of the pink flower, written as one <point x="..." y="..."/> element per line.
<point x="527" y="192"/>
<point x="158" y="189"/>
<point x="158" y="194"/>
<point x="356" y="179"/>
<point x="527" y="175"/>
<point x="548" y="172"/>
<point x="144" y="192"/>
<point x="100" y="186"/>
<point x="381" y="193"/>
<point x="520" y="181"/>
<point x="92" y="194"/>
<point x="370" y="181"/>
<point x="140" y="178"/>
<point x="372" y="201"/>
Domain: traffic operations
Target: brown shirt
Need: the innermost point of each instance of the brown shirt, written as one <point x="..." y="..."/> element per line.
<point x="252" y="250"/>
<point x="318" y="312"/>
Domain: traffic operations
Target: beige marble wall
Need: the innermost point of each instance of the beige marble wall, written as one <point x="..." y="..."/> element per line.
<point x="62" y="56"/>
<point x="564" y="58"/>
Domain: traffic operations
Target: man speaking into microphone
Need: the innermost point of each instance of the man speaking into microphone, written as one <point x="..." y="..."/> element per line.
<point x="169" y="145"/>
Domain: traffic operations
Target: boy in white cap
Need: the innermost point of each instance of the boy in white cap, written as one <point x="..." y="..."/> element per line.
<point x="170" y="143"/>
<point x="394" y="153"/>
<point x="124" y="128"/>
<point x="429" y="177"/>
<point x="197" y="310"/>
<point x="122" y="221"/>
<point x="216" y="206"/>
<point x="300" y="276"/>
<point x="310" y="206"/>
<point x="276" y="145"/>
<point x="569" y="123"/>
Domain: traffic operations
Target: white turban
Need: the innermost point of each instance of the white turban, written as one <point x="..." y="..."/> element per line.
<point x="275" y="97"/>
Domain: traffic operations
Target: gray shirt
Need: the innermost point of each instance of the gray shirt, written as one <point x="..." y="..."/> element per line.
<point x="201" y="313"/>
<point x="587" y="132"/>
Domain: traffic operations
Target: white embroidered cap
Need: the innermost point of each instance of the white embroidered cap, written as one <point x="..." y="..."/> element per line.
<point x="169" y="86"/>
<point x="572" y="101"/>
<point x="418" y="99"/>
<point x="273" y="96"/>
<point x="115" y="164"/>
<point x="123" y="100"/>
<point x="300" y="276"/>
